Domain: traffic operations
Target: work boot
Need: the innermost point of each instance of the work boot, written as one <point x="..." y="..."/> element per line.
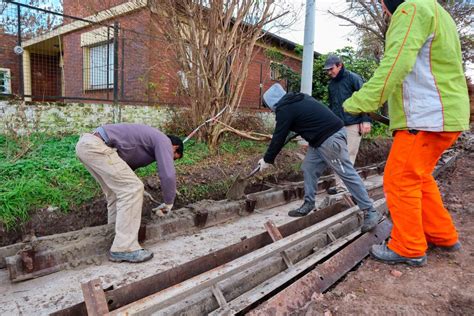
<point x="371" y="219"/>
<point x="136" y="256"/>
<point x="302" y="210"/>
<point x="335" y="190"/>
<point x="386" y="255"/>
<point x="454" y="248"/>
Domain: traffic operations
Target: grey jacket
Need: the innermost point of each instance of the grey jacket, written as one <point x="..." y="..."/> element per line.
<point x="140" y="145"/>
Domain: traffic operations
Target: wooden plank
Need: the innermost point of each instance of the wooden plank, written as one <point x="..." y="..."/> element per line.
<point x="247" y="299"/>
<point x="348" y="200"/>
<point x="276" y="235"/>
<point x="94" y="297"/>
<point x="137" y="290"/>
<point x="323" y="276"/>
<point x="219" y="296"/>
<point x="176" y="293"/>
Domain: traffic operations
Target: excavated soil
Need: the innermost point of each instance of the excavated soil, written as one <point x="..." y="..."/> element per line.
<point x="212" y="170"/>
<point x="444" y="287"/>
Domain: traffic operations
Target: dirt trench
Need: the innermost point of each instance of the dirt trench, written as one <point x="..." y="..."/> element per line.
<point x="221" y="170"/>
<point x="445" y="286"/>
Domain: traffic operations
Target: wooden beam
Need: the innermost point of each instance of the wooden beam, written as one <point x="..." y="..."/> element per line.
<point x="94" y="297"/>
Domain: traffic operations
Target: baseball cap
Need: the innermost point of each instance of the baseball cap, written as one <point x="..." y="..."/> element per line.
<point x="331" y="61"/>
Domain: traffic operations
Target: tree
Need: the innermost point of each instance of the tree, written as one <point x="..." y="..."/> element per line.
<point x="32" y="22"/>
<point x="462" y="13"/>
<point x="214" y="43"/>
<point x="371" y="24"/>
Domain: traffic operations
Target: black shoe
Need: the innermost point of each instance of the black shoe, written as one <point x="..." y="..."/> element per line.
<point x="303" y="210"/>
<point x="335" y="190"/>
<point x="371" y="219"/>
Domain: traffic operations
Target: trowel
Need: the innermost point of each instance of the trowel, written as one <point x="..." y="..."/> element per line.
<point x="236" y="190"/>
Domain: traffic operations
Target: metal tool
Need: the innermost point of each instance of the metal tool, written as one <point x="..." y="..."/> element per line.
<point x="236" y="190"/>
<point x="379" y="118"/>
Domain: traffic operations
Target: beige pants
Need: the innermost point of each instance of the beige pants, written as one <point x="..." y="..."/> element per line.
<point x="121" y="186"/>
<point x="353" y="143"/>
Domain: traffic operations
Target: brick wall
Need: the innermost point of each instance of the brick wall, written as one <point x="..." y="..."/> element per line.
<point x="84" y="8"/>
<point x="9" y="60"/>
<point x="147" y="68"/>
<point x="133" y="55"/>
<point x="259" y="72"/>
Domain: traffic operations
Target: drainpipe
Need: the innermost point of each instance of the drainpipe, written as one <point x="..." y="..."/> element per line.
<point x="308" y="49"/>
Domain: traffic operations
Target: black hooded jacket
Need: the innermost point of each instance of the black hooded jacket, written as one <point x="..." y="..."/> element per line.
<point x="302" y="114"/>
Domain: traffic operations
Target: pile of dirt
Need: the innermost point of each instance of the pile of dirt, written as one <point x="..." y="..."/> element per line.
<point x="444" y="287"/>
<point x="220" y="169"/>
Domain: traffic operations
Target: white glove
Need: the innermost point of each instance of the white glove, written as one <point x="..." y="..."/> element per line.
<point x="163" y="209"/>
<point x="263" y="165"/>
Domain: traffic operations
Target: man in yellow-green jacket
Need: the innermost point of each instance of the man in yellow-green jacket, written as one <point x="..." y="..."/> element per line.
<point x="422" y="78"/>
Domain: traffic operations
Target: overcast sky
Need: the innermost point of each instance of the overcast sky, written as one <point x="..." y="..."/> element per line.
<point x="330" y="32"/>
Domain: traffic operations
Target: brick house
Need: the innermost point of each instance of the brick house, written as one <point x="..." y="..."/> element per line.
<point x="9" y="65"/>
<point x="75" y="60"/>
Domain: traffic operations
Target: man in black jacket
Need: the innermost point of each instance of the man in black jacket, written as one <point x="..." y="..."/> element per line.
<point x="325" y="133"/>
<point x="341" y="87"/>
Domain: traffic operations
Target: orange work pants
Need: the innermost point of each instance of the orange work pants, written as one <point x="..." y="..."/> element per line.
<point x="413" y="197"/>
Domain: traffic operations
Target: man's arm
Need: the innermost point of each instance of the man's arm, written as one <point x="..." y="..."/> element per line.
<point x="166" y="171"/>
<point x="408" y="31"/>
<point x="282" y="129"/>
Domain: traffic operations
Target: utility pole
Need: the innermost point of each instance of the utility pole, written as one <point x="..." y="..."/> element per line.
<point x="308" y="49"/>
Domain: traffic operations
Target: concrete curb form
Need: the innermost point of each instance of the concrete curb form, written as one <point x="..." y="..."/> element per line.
<point x="88" y="246"/>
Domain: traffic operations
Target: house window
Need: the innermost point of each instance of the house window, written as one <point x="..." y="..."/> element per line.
<point x="275" y="71"/>
<point x="5" y="82"/>
<point x="98" y="66"/>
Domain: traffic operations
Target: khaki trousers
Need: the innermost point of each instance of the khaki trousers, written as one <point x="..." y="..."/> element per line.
<point x="121" y="186"/>
<point x="353" y="143"/>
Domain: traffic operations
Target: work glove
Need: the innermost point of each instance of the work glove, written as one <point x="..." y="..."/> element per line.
<point x="263" y="165"/>
<point x="163" y="209"/>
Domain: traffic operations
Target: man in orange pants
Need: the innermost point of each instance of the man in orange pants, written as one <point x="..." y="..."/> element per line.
<point x="413" y="197"/>
<point x="422" y="78"/>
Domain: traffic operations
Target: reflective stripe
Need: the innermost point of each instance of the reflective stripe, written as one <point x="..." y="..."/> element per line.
<point x="421" y="100"/>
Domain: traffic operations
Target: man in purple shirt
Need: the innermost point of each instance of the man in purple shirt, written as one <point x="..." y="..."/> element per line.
<point x="111" y="154"/>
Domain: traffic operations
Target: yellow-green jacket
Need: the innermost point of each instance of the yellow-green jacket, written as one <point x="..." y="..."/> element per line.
<point x="421" y="75"/>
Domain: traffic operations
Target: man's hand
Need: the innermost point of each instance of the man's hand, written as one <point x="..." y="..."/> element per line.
<point x="163" y="209"/>
<point x="364" y="128"/>
<point x="263" y="165"/>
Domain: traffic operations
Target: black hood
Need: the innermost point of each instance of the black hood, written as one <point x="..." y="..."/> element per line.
<point x="392" y="5"/>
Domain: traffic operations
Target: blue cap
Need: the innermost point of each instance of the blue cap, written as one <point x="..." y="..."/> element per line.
<point x="331" y="61"/>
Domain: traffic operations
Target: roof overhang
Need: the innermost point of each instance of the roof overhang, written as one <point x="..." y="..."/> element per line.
<point x="102" y="16"/>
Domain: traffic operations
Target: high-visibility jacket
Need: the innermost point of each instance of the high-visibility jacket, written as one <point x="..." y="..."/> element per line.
<point x="421" y="74"/>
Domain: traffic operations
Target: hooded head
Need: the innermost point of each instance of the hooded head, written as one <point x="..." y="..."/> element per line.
<point x="273" y="95"/>
<point x="392" y="5"/>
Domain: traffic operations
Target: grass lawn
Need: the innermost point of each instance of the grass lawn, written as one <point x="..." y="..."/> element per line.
<point x="42" y="171"/>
